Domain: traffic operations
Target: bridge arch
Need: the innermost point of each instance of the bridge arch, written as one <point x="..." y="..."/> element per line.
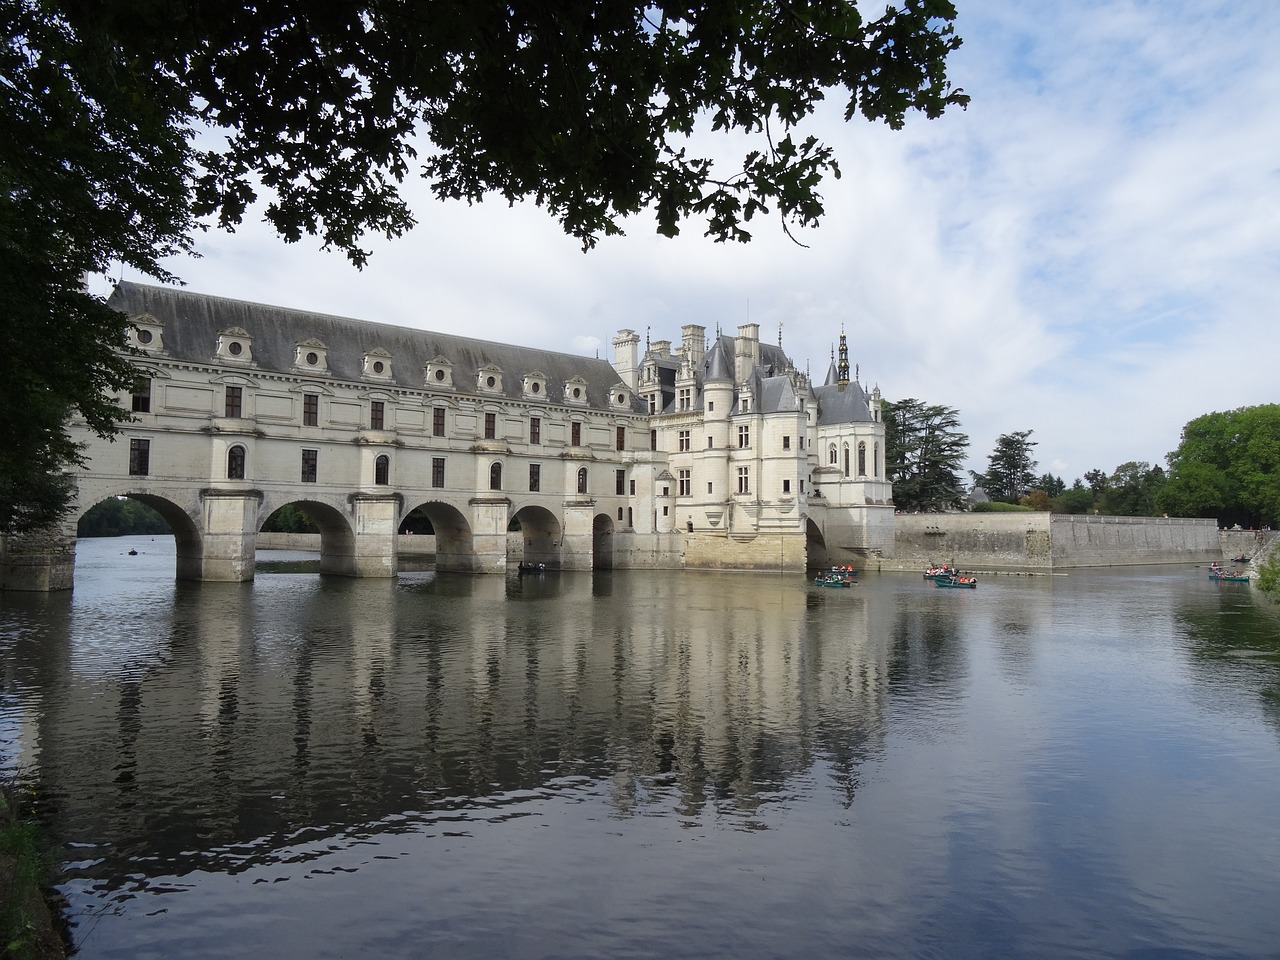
<point x="602" y="542"/>
<point x="455" y="541"/>
<point x="337" y="538"/>
<point x="815" y="545"/>
<point x="188" y="539"/>
<point x="541" y="534"/>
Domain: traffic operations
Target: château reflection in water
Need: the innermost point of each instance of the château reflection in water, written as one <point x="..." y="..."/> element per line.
<point x="937" y="767"/>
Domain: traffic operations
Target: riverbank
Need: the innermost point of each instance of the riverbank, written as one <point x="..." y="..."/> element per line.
<point x="27" y="929"/>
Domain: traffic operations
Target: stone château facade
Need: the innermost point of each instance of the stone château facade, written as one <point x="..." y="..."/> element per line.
<point x="715" y="453"/>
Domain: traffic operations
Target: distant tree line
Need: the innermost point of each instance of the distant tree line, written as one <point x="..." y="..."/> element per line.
<point x="1226" y="467"/>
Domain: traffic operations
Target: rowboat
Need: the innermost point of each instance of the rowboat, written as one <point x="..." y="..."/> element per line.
<point x="943" y="572"/>
<point x="963" y="583"/>
<point x="1229" y="577"/>
<point x="834" y="580"/>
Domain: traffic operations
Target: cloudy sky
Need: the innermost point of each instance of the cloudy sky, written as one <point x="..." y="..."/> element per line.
<point x="1089" y="252"/>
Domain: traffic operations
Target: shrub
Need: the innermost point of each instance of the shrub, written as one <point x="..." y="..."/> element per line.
<point x="1269" y="576"/>
<point x="996" y="506"/>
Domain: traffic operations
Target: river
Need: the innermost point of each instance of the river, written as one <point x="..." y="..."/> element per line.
<point x="650" y="764"/>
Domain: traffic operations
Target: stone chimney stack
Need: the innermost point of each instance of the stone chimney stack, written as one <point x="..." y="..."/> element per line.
<point x="625" y="357"/>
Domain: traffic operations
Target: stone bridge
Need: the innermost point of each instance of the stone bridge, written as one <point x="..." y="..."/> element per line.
<point x="216" y="528"/>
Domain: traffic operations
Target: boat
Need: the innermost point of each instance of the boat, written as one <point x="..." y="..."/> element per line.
<point x="1225" y="577"/>
<point x="834" y="580"/>
<point x="963" y="583"/>
<point x="532" y="567"/>
<point x="943" y="572"/>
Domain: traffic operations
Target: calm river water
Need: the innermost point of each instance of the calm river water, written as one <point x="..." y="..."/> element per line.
<point x="645" y="764"/>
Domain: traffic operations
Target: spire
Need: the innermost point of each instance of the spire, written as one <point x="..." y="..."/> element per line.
<point x="843" y="369"/>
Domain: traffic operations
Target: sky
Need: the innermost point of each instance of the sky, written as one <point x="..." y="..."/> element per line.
<point x="1090" y="251"/>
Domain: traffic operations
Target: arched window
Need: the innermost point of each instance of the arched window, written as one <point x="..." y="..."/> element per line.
<point x="862" y="459"/>
<point x="875" y="465"/>
<point x="495" y="476"/>
<point x="831" y="455"/>
<point x="619" y="513"/>
<point x="582" y="480"/>
<point x="382" y="470"/>
<point x="846" y="459"/>
<point x="235" y="463"/>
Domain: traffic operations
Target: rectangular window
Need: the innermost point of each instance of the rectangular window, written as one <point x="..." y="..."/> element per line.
<point x="683" y="437"/>
<point x="142" y="395"/>
<point x="377" y="414"/>
<point x="653" y="404"/>
<point x="711" y="406"/>
<point x="802" y="486"/>
<point x="535" y="429"/>
<point x="633" y="488"/>
<point x="490" y="426"/>
<point x="139" y="458"/>
<point x="437" y="422"/>
<point x="744" y="480"/>
<point x="684" y="489"/>
<point x="786" y="486"/>
<point x="621" y="442"/>
<point x="575" y="434"/>
<point x="310" y="465"/>
<point x="666" y="511"/>
<point x="535" y="477"/>
<point x="653" y="439"/>
<point x="710" y="443"/>
<point x="685" y="398"/>
<point x="744" y="436"/>
<point x="310" y="409"/>
<point x="234" y="406"/>
<point x="437" y="471"/>
<point x="620" y="482"/>
<point x="709" y="486"/>
<point x="786" y="443"/>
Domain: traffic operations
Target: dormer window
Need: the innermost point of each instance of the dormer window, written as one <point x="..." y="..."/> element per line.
<point x="620" y="398"/>
<point x="146" y="333"/>
<point x="489" y="379"/>
<point x="235" y="344"/>
<point x="311" y="355"/>
<point x="377" y="364"/>
<point x="534" y="386"/>
<point x="439" y="374"/>
<point x="575" y="390"/>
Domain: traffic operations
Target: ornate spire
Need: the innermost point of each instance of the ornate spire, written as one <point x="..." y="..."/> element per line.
<point x="843" y="369"/>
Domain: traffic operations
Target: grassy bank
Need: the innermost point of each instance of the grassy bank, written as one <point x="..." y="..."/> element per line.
<point x="27" y="930"/>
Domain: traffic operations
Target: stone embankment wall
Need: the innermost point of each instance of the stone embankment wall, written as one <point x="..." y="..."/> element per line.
<point x="1245" y="543"/>
<point x="1043" y="541"/>
<point x="410" y="543"/>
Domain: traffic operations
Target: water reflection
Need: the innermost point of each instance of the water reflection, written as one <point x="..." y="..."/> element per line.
<point x="931" y="767"/>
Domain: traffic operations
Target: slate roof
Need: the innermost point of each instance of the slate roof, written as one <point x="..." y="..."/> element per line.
<point x="193" y="321"/>
<point x="842" y="404"/>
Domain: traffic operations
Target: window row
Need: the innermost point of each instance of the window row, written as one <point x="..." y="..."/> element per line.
<point x="837" y="457"/>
